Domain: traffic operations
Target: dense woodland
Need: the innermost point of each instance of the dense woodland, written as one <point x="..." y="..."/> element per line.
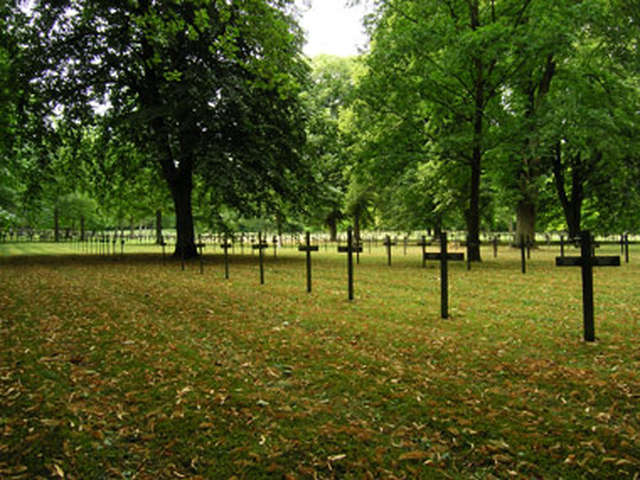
<point x="205" y="115"/>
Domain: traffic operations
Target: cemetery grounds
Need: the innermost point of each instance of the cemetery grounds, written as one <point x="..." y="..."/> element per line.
<point x="131" y="368"/>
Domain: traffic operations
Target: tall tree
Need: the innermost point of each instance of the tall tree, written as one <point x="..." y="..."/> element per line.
<point x="445" y="65"/>
<point x="207" y="87"/>
<point x="330" y="93"/>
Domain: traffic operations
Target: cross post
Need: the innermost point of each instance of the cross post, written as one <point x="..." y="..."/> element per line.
<point x="388" y="243"/>
<point x="260" y="246"/>
<point x="308" y="248"/>
<point x="423" y="243"/>
<point x="164" y="244"/>
<point x="225" y="245"/>
<point x="349" y="249"/>
<point x="444" y="257"/>
<point x="587" y="261"/>
<point x="200" y="246"/>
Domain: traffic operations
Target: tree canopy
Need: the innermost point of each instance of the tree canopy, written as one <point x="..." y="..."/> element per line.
<point x="476" y="115"/>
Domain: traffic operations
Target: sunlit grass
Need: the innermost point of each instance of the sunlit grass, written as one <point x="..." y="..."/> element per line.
<point x="132" y="368"/>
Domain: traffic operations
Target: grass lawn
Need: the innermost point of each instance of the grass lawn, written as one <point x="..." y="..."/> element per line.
<point x="131" y="368"/>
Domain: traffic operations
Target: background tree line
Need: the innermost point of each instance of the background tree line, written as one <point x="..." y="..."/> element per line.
<point x="464" y="114"/>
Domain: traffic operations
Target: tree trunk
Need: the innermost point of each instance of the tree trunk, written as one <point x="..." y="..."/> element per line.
<point x="181" y="192"/>
<point x="473" y="214"/>
<point x="332" y="222"/>
<point x="356" y="227"/>
<point x="158" y="227"/>
<point x="82" y="229"/>
<point x="333" y="229"/>
<point x="525" y="221"/>
<point x="56" y="224"/>
<point x="572" y="207"/>
<point x="437" y="228"/>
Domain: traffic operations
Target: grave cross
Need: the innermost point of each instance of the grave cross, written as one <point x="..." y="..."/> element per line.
<point x="200" y="245"/>
<point x="307" y="247"/>
<point x="444" y="257"/>
<point x="163" y="244"/>
<point x="423" y="243"/>
<point x="260" y="246"/>
<point x="624" y="246"/>
<point x="389" y="243"/>
<point x="225" y="245"/>
<point x="587" y="261"/>
<point x="349" y="249"/>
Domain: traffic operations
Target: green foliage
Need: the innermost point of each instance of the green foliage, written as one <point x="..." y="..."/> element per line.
<point x="205" y="89"/>
<point x="328" y="97"/>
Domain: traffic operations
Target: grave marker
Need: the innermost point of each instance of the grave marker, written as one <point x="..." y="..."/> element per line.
<point x="349" y="249"/>
<point x="424" y="244"/>
<point x="444" y="257"/>
<point x="308" y="248"/>
<point x="225" y="245"/>
<point x="388" y="243"/>
<point x="200" y="246"/>
<point x="163" y="244"/>
<point x="624" y="246"/>
<point x="260" y="246"/>
<point x="587" y="261"/>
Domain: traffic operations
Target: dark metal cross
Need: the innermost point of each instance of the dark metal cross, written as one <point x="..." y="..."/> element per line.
<point x="225" y="245"/>
<point x="423" y="243"/>
<point x="349" y="249"/>
<point x="308" y="248"/>
<point x="389" y="243"/>
<point x="200" y="246"/>
<point x="260" y="246"/>
<point x="587" y="261"/>
<point x="624" y="246"/>
<point x="444" y="257"/>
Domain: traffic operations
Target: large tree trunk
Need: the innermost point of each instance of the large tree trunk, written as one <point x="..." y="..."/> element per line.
<point x="158" y="227"/>
<point x="181" y="192"/>
<point x="356" y="227"/>
<point x="473" y="214"/>
<point x="332" y="223"/>
<point x="525" y="221"/>
<point x="572" y="206"/>
<point x="333" y="230"/>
